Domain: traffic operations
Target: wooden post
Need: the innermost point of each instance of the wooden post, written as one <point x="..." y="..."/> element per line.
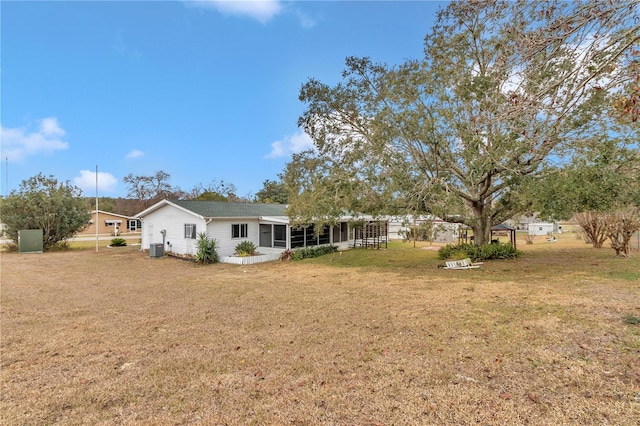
<point x="415" y="232"/>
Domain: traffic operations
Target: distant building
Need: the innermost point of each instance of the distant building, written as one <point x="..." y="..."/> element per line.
<point x="544" y="228"/>
<point x="401" y="228"/>
<point x="111" y="224"/>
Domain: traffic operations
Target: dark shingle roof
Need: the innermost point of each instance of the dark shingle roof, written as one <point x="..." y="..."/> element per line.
<point x="211" y="209"/>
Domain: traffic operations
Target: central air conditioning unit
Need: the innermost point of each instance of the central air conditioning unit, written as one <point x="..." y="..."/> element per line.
<point x="156" y="250"/>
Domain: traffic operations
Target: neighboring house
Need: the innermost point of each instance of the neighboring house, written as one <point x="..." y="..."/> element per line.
<point x="400" y="226"/>
<point x="446" y="232"/>
<point x="176" y="224"/>
<point x="544" y="228"/>
<point x="111" y="224"/>
<point x="441" y="231"/>
<point x="522" y="222"/>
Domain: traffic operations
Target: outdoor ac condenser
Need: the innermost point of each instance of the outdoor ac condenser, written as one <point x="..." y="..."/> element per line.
<point x="156" y="250"/>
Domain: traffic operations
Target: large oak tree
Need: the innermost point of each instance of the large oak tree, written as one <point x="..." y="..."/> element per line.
<point x="461" y="132"/>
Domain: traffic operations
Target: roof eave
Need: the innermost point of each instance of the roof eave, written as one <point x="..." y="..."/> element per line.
<point x="161" y="204"/>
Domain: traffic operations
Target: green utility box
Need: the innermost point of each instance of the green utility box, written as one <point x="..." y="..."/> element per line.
<point x="30" y="241"/>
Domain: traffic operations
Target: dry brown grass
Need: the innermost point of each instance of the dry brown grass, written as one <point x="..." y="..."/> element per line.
<point x="120" y="338"/>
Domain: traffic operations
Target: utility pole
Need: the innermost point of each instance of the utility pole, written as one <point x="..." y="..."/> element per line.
<point x="97" y="222"/>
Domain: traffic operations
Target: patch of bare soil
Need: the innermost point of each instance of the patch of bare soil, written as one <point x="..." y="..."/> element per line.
<point x="121" y="338"/>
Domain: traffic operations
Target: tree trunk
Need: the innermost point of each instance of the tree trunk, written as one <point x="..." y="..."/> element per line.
<point x="481" y="226"/>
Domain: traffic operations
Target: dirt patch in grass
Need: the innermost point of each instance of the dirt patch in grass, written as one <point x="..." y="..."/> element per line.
<point x="120" y="338"/>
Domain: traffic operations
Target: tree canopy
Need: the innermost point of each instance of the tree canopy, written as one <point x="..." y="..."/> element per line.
<point x="461" y="133"/>
<point x="42" y="202"/>
<point x="272" y="191"/>
<point x="214" y="191"/>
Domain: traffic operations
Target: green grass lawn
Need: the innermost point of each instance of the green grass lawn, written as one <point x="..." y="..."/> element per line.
<point x="397" y="255"/>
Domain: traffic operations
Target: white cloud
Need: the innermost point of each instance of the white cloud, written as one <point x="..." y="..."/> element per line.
<point x="50" y="127"/>
<point x="136" y="153"/>
<point x="305" y="20"/>
<point x="19" y="143"/>
<point x="291" y="144"/>
<point x="87" y="182"/>
<point x="261" y="10"/>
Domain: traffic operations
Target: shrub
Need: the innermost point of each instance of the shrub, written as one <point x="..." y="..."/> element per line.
<point x="118" y="242"/>
<point x="498" y="251"/>
<point x="287" y="255"/>
<point x="245" y="248"/>
<point x="309" y="252"/>
<point x="458" y="251"/>
<point x="207" y="251"/>
<point x="487" y="252"/>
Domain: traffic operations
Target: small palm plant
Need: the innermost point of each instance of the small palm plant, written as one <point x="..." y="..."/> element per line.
<point x="118" y="242"/>
<point x="245" y="248"/>
<point x="207" y="251"/>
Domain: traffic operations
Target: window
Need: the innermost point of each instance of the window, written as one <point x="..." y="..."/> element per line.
<point x="325" y="237"/>
<point x="133" y="224"/>
<point x="190" y="231"/>
<point x="310" y="236"/>
<point x="280" y="235"/>
<point x="239" y="230"/>
<point x="297" y="237"/>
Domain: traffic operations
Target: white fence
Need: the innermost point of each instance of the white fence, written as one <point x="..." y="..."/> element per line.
<point x="250" y="260"/>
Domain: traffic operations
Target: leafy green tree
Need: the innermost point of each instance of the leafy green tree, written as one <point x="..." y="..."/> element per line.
<point x="44" y="203"/>
<point x="211" y="196"/>
<point x="272" y="192"/>
<point x="463" y="132"/>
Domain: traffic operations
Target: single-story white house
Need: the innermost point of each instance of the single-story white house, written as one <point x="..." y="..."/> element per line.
<point x="176" y="224"/>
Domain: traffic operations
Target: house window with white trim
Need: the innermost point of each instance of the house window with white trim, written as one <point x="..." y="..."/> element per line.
<point x="190" y="231"/>
<point x="133" y="224"/>
<point x="239" y="230"/>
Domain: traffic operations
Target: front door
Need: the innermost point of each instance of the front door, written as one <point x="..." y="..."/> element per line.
<point x="265" y="235"/>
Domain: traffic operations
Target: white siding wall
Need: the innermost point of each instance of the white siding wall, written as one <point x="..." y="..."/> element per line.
<point x="220" y="229"/>
<point x="173" y="221"/>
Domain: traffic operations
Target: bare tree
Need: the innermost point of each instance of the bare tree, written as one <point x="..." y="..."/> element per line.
<point x="594" y="225"/>
<point x="620" y="227"/>
<point x="150" y="189"/>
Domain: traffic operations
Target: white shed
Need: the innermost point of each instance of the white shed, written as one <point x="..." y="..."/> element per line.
<point x="543" y="228"/>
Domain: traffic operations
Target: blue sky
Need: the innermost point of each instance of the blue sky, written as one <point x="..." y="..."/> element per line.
<point x="202" y="90"/>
